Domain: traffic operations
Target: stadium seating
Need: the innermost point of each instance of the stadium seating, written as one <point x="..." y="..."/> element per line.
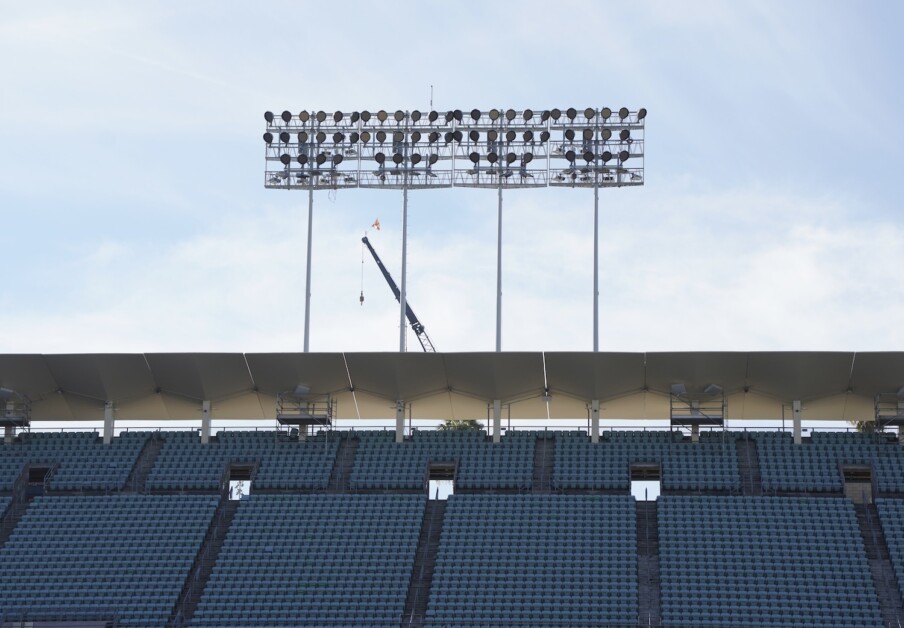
<point x="711" y="464"/>
<point x="381" y="463"/>
<point x="121" y="557"/>
<point x="291" y="557"/>
<point x="80" y="461"/>
<point x="185" y="463"/>
<point x="763" y="561"/>
<point x="815" y="465"/>
<point x="316" y="560"/>
<point x="536" y="559"/>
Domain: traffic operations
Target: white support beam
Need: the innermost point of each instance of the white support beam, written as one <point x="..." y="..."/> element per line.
<point x="798" y="430"/>
<point x="205" y="422"/>
<point x="497" y="420"/>
<point x="400" y="421"/>
<point x="901" y="427"/>
<point x="109" y="422"/>
<point x="695" y="433"/>
<point x="9" y="432"/>
<point x="595" y="421"/>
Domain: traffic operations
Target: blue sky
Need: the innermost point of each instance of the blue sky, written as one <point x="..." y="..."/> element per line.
<point x="134" y="216"/>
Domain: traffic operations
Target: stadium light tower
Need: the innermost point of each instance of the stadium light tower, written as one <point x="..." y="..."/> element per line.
<point x="596" y="138"/>
<point x="497" y="149"/>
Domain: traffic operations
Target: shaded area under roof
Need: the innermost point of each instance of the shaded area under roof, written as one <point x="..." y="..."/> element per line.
<point x="696" y="370"/>
<point x="281" y="372"/>
<point x="398" y="375"/>
<point x="509" y="377"/>
<point x="799" y="375"/>
<point x="201" y="375"/>
<point x="594" y="375"/>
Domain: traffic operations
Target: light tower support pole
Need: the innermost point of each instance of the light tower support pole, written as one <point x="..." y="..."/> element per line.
<point x="307" y="290"/>
<point x="403" y="329"/>
<point x="499" y="273"/>
<point x="596" y="262"/>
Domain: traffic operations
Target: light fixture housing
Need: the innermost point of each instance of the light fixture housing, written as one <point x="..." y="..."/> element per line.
<point x="609" y="146"/>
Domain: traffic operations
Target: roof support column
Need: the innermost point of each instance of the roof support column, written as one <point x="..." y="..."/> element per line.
<point x="9" y="431"/>
<point x="595" y="421"/>
<point x="205" y="421"/>
<point x="795" y="412"/>
<point x="695" y="433"/>
<point x="900" y="427"/>
<point x="109" y="422"/>
<point x="399" y="421"/>
<point x="497" y="420"/>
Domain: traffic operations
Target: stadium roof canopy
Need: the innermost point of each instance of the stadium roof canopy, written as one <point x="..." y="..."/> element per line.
<point x="90" y="380"/>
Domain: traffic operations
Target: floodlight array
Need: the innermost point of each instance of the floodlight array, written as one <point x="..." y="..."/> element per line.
<point x="498" y="148"/>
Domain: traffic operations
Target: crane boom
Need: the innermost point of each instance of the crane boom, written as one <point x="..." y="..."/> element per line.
<point x="416" y="325"/>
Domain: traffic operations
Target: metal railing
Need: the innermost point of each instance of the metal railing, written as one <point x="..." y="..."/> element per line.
<point x="362" y="425"/>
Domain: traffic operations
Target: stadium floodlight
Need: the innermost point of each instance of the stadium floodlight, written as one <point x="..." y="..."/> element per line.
<point x="497" y="148"/>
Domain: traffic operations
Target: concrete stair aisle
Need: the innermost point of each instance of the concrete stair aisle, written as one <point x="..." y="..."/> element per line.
<point x="884" y="580"/>
<point x="204" y="562"/>
<point x="544" y="459"/>
<point x="648" y="584"/>
<point x="418" y="595"/>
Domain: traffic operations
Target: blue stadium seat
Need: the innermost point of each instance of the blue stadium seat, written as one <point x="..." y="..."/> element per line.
<point x="711" y="464"/>
<point x="122" y="557"/>
<point x="315" y="560"/>
<point x="185" y="463"/>
<point x="572" y="559"/>
<point x="764" y="561"/>
<point x="80" y="461"/>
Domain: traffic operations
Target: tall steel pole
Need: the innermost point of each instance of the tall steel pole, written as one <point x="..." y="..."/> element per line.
<point x="499" y="274"/>
<point x="596" y="263"/>
<point x="403" y="329"/>
<point x="307" y="291"/>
